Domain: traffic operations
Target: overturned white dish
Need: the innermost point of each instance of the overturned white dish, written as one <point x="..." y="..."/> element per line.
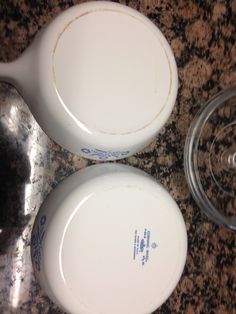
<point x="100" y="79"/>
<point x="109" y="239"/>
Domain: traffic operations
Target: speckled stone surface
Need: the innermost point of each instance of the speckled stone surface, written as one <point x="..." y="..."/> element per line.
<point x="203" y="37"/>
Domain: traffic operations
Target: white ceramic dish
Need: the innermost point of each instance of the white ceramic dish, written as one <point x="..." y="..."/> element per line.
<point x="109" y="239"/>
<point x="100" y="79"/>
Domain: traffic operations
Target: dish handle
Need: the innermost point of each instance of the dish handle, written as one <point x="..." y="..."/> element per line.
<point x="8" y="71"/>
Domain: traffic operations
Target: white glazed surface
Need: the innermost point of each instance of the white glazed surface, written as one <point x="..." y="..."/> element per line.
<point x="86" y="261"/>
<point x="112" y="71"/>
<point x="108" y="96"/>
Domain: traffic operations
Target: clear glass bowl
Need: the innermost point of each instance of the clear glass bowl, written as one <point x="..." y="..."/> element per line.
<point x="210" y="159"/>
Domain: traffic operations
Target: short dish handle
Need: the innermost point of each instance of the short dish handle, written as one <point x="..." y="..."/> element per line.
<point x="7" y="71"/>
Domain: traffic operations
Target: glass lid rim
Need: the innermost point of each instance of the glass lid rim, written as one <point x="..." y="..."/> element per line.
<point x="190" y="159"/>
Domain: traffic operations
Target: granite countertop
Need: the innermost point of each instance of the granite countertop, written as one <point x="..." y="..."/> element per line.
<point x="203" y="37"/>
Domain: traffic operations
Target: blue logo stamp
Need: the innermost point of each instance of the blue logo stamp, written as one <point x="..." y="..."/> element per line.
<point x="142" y="246"/>
<point x="154" y="245"/>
